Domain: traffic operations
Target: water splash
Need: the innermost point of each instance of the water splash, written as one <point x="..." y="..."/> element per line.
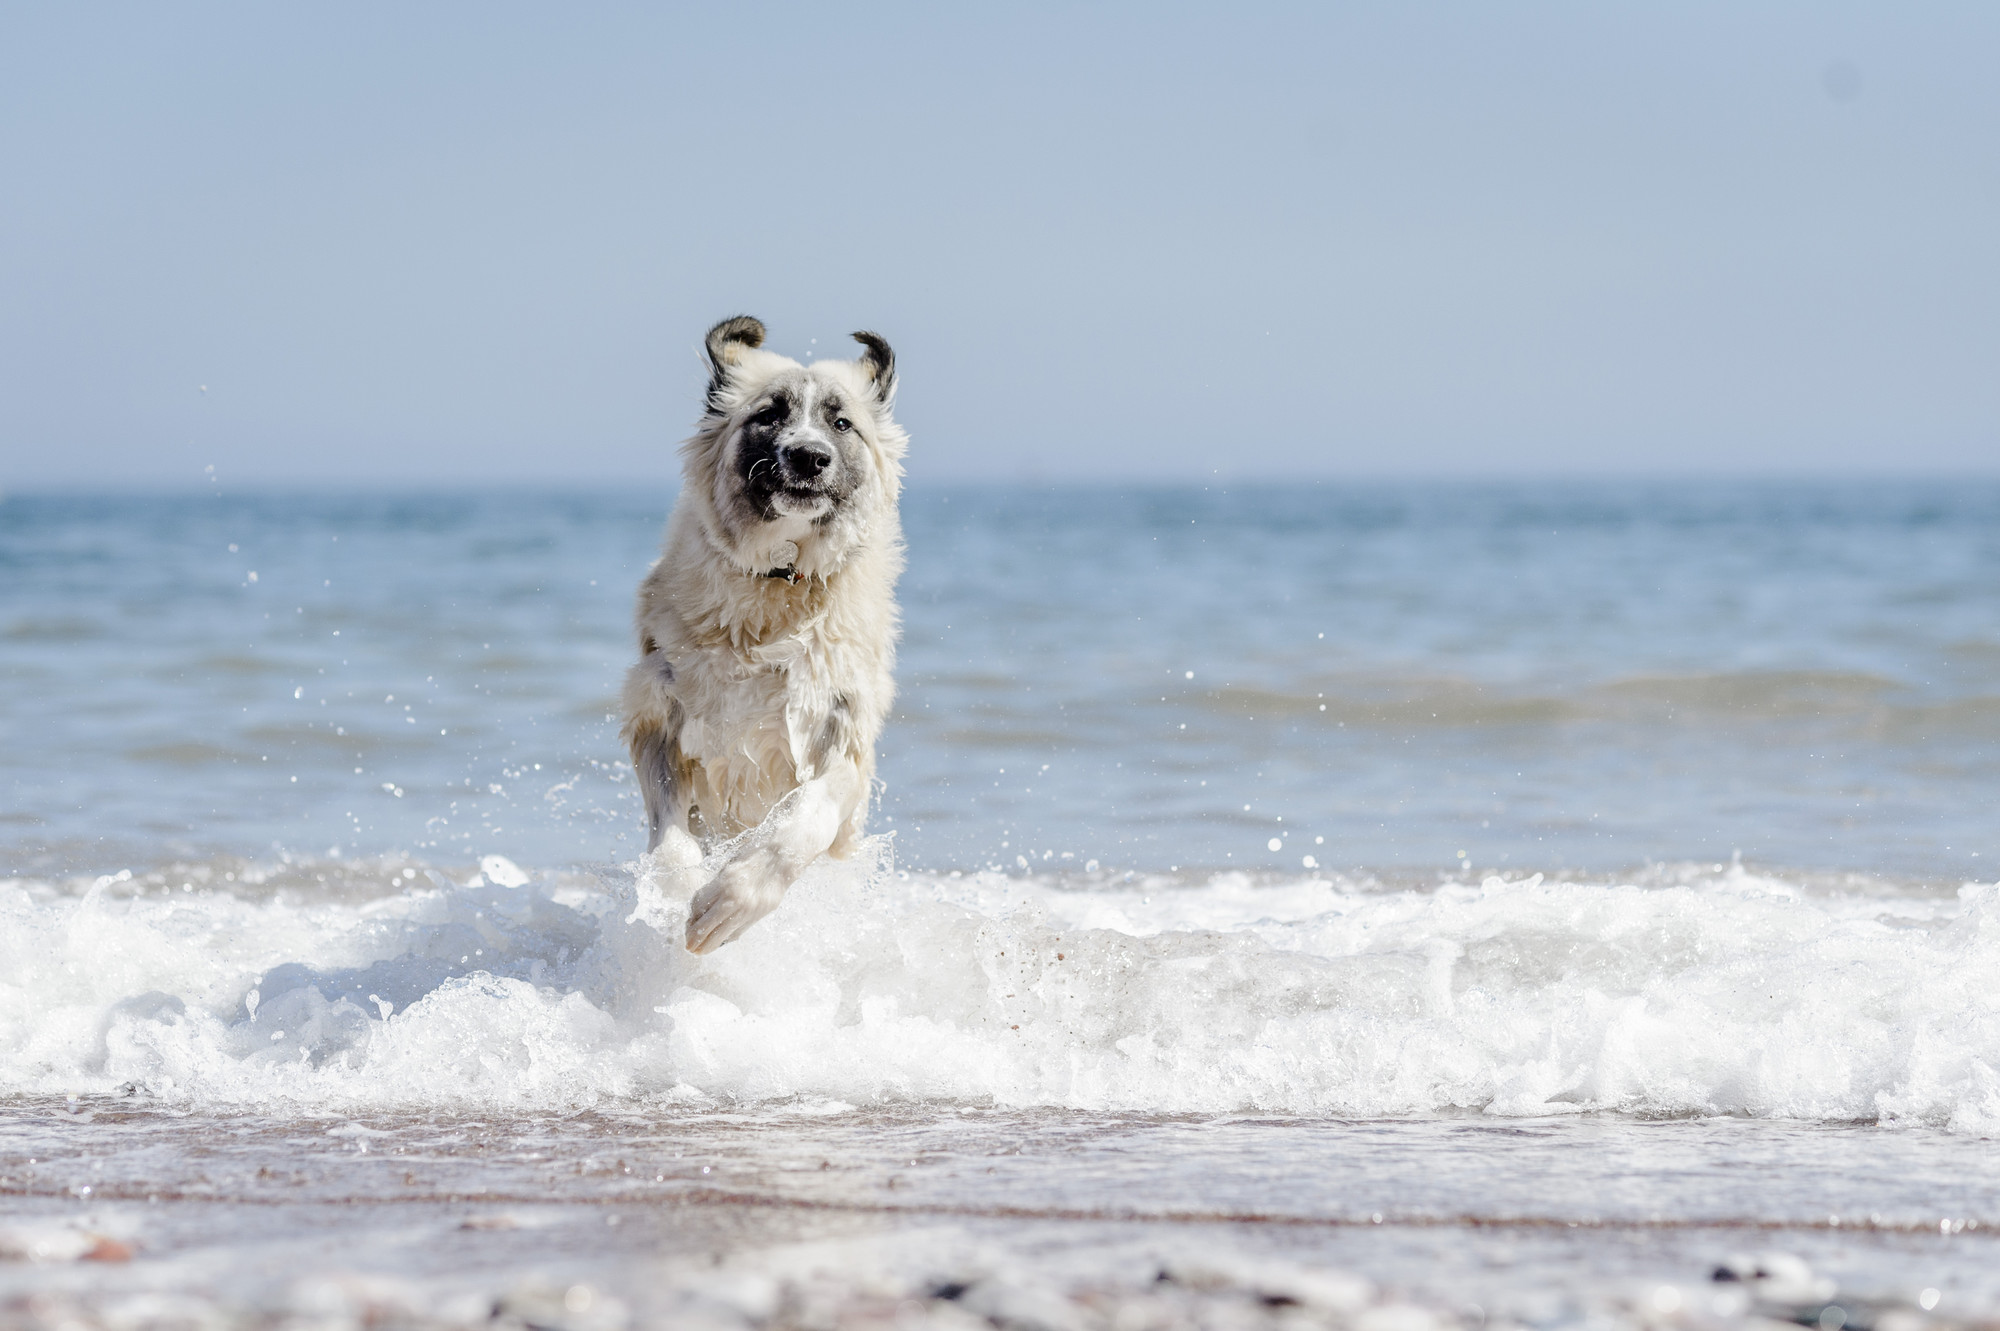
<point x="1710" y="989"/>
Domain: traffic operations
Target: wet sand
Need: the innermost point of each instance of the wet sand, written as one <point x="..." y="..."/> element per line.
<point x="917" y="1217"/>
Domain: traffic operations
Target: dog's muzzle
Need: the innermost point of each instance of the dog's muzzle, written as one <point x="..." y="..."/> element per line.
<point x="804" y="465"/>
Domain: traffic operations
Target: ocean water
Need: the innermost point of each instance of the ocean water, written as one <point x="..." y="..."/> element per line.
<point x="1395" y="906"/>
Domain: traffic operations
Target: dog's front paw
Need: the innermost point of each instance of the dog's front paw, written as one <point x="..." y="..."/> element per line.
<point x="738" y="898"/>
<point x="676" y="849"/>
<point x="668" y="873"/>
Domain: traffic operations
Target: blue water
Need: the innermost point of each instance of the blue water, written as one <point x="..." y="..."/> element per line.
<point x="1209" y="938"/>
<point x="1542" y="675"/>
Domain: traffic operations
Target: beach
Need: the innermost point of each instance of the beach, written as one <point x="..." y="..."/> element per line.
<point x="1389" y="906"/>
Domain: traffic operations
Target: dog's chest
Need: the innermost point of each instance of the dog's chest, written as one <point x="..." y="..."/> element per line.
<point x="749" y="724"/>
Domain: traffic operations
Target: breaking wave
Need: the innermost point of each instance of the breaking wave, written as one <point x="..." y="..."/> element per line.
<point x="335" y="986"/>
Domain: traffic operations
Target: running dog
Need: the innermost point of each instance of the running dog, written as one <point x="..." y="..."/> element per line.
<point x="767" y="628"/>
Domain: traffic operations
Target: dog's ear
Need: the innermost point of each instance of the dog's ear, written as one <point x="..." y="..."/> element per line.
<point x="879" y="363"/>
<point x="726" y="343"/>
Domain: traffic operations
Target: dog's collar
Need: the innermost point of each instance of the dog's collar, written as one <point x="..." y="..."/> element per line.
<point x="788" y="574"/>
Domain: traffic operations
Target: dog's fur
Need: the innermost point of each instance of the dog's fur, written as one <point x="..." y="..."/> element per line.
<point x="767" y="629"/>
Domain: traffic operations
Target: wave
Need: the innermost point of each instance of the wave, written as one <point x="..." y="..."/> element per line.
<point x="330" y="986"/>
<point x="1721" y="700"/>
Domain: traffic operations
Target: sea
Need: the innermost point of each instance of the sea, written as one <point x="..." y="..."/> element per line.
<point x="1398" y="906"/>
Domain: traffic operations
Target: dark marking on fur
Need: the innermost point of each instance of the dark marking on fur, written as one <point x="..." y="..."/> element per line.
<point x="836" y="736"/>
<point x="880" y="363"/>
<point x="750" y="505"/>
<point x="757" y="462"/>
<point x="656" y="760"/>
<point x="650" y="653"/>
<point x="741" y="330"/>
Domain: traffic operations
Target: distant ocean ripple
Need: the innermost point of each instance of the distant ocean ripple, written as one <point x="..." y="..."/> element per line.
<point x="1542" y="676"/>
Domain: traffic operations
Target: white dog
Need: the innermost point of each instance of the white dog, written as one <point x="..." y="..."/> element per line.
<point x="767" y="630"/>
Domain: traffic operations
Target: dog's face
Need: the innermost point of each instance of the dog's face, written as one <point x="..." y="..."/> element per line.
<point x="795" y="451"/>
<point x="791" y="452"/>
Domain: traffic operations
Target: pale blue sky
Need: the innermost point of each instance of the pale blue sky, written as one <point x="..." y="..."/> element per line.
<point x="426" y="242"/>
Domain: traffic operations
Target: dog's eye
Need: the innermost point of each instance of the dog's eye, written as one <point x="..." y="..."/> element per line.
<point x="842" y="424"/>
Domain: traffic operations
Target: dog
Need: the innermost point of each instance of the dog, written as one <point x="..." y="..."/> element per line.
<point x="767" y="628"/>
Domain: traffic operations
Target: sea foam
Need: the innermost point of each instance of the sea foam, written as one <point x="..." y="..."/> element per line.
<point x="1713" y="990"/>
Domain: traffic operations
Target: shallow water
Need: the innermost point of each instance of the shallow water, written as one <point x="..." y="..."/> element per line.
<point x="660" y="1216"/>
<point x="1543" y="676"/>
<point x="321" y="939"/>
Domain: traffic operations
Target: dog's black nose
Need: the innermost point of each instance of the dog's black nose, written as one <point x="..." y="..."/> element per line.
<point x="805" y="461"/>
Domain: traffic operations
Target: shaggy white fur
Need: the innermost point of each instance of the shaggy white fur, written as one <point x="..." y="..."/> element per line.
<point x="767" y="629"/>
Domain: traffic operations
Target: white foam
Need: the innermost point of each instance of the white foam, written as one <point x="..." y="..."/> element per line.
<point x="1724" y="993"/>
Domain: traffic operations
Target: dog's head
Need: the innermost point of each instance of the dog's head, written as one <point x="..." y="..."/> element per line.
<point x="791" y="453"/>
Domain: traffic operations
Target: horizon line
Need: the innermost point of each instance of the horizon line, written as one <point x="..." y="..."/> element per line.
<point x="668" y="486"/>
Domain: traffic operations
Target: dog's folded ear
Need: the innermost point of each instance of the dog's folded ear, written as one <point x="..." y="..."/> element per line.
<point x="880" y="365"/>
<point x="726" y="344"/>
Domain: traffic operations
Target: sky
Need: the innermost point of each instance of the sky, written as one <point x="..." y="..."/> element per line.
<point x="384" y="243"/>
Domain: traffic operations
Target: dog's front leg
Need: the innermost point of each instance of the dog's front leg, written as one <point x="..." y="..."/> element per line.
<point x="801" y="828"/>
<point x="656" y="760"/>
